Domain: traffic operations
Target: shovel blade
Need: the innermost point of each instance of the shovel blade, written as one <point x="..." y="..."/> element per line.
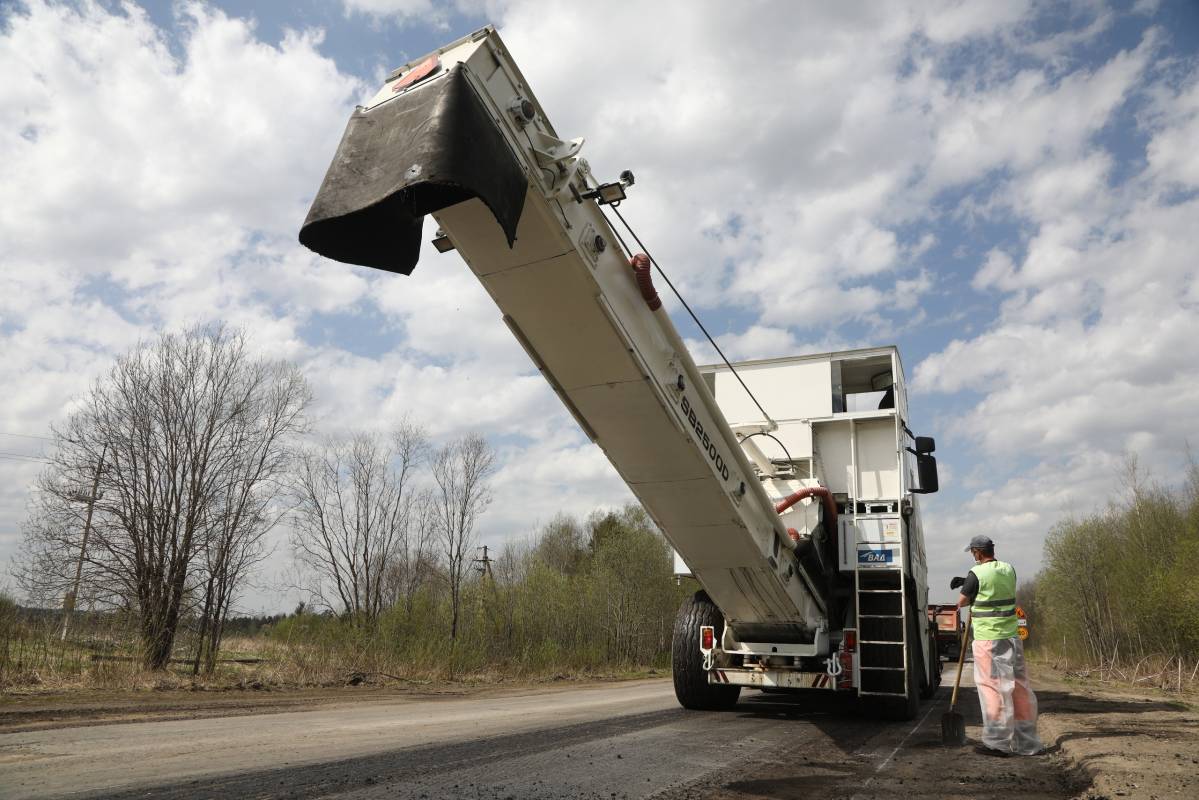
<point x="953" y="729"/>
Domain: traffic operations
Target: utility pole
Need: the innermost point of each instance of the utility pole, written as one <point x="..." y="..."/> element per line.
<point x="484" y="570"/>
<point x="484" y="563"/>
<point x="68" y="604"/>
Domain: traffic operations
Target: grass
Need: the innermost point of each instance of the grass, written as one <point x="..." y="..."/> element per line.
<point x="1159" y="674"/>
<point x="36" y="662"/>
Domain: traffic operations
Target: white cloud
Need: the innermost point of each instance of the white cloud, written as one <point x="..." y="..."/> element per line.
<point x="564" y="473"/>
<point x="1173" y="157"/>
<point x="1023" y="123"/>
<point x="786" y="134"/>
<point x="957" y="21"/>
<point x="1091" y="356"/>
<point x="399" y="10"/>
<point x="1018" y="513"/>
<point x="121" y="142"/>
<point x="145" y="188"/>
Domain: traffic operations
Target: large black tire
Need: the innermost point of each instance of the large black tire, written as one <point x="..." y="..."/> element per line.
<point x="691" y="685"/>
<point x="929" y="686"/>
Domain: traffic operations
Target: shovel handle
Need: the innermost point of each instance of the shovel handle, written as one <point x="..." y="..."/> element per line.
<point x="953" y="701"/>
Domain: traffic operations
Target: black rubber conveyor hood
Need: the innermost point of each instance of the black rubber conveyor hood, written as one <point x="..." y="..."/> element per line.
<point x="431" y="147"/>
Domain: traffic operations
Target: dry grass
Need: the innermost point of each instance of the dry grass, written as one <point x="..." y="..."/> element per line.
<point x="36" y="662"/>
<point x="1164" y="673"/>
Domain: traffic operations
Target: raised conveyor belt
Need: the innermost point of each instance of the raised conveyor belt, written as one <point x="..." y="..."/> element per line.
<point x="458" y="144"/>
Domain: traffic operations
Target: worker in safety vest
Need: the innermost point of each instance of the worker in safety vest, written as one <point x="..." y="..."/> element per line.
<point x="1009" y="707"/>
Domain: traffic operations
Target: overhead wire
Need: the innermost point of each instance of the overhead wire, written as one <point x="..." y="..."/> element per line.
<point x="679" y="295"/>
<point x="11" y="456"/>
<point x="27" y="436"/>
<point x="22" y="457"/>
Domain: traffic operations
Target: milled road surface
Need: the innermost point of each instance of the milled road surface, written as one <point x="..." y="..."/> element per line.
<point x="627" y="740"/>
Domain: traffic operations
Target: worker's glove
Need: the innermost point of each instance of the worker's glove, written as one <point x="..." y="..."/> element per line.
<point x="956" y="582"/>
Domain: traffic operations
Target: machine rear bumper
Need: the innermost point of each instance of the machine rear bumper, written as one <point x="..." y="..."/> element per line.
<point x="773" y="679"/>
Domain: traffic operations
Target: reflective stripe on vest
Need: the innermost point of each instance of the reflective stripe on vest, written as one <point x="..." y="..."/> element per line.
<point x="994" y="606"/>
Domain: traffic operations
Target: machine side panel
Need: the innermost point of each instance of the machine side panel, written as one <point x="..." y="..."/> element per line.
<point x="795" y="391"/>
<point x="877" y="459"/>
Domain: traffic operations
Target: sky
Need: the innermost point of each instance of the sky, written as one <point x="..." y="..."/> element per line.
<point x="1009" y="192"/>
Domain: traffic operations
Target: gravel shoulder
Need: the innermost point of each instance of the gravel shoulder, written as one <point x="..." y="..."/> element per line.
<point x="28" y="711"/>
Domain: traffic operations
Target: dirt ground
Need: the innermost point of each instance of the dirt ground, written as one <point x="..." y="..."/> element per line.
<point x="1125" y="743"/>
<point x="1101" y="743"/>
<point x="41" y="710"/>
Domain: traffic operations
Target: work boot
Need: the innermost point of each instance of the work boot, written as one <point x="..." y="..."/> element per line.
<point x="983" y="750"/>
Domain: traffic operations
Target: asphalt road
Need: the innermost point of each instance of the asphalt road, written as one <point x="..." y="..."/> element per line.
<point x="627" y="740"/>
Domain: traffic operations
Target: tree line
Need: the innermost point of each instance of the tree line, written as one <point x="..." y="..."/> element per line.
<point x="1119" y="586"/>
<point x="575" y="595"/>
<point x="167" y="477"/>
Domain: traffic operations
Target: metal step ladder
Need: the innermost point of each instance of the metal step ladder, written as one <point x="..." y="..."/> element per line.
<point x="882" y="621"/>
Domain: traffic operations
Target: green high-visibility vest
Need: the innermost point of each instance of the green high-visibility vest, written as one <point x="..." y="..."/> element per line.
<point x="994" y="607"/>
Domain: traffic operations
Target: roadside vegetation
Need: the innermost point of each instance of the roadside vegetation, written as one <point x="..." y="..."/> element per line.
<point x="577" y="598"/>
<point x="155" y="511"/>
<point x="1118" y="597"/>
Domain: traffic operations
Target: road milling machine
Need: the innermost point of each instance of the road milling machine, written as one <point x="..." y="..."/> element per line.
<point x="788" y="488"/>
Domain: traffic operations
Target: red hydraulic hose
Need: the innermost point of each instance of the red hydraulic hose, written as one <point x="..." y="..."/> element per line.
<point x="826" y="498"/>
<point x="645" y="281"/>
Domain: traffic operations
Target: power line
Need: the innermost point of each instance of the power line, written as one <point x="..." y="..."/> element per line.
<point x="27" y="436"/>
<point x="677" y="294"/>
<point x="23" y="457"/>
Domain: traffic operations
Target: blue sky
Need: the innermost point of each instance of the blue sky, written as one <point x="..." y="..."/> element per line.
<point x="1007" y="191"/>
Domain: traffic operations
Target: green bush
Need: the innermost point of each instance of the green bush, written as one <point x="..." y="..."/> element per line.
<point x="596" y="595"/>
<point x="1120" y="586"/>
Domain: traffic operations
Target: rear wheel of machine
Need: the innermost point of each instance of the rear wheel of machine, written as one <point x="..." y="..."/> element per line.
<point x="929" y="687"/>
<point x="691" y="685"/>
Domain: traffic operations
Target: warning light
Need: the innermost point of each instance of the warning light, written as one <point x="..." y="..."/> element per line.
<point x="707" y="638"/>
<point x="418" y="73"/>
<point x="1019" y="612"/>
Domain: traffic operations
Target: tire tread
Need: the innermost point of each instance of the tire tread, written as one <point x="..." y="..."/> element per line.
<point x="691" y="685"/>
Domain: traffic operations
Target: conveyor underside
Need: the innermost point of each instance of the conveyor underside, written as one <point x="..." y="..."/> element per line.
<point x="603" y="350"/>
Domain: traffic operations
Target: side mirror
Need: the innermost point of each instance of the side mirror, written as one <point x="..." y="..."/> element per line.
<point x="956" y="582"/>
<point x="926" y="469"/>
<point x="925" y="444"/>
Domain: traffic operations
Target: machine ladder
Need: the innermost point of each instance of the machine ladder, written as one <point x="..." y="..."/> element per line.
<point x="882" y="631"/>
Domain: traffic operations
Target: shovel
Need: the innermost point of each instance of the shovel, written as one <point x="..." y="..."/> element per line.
<point x="953" y="724"/>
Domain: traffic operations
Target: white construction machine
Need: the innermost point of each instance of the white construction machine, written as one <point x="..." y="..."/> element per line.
<point x="801" y="525"/>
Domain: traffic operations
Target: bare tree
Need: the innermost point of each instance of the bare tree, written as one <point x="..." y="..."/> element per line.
<point x="354" y="511"/>
<point x="413" y="562"/>
<point x="563" y="544"/>
<point x="460" y="471"/>
<point x="181" y="424"/>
